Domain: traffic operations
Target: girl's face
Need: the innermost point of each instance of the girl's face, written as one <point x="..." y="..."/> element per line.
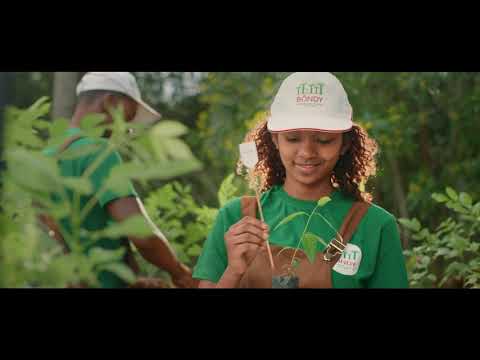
<point x="309" y="157"/>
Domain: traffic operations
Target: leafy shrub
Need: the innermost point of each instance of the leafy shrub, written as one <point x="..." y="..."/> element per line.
<point x="28" y="256"/>
<point x="449" y="255"/>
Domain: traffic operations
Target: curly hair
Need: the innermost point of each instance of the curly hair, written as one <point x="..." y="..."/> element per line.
<point x="350" y="174"/>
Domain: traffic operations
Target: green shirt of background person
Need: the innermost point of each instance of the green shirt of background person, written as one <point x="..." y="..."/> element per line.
<point x="99" y="93"/>
<point x="308" y="148"/>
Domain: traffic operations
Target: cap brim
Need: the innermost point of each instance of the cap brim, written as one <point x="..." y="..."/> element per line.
<point x="332" y="124"/>
<point x="146" y="114"/>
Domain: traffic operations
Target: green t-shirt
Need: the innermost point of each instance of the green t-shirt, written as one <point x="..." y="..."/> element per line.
<point x="373" y="257"/>
<point x="98" y="218"/>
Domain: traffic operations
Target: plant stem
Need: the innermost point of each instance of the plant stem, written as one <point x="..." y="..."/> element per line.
<point x="91" y="203"/>
<point x="76" y="224"/>
<point x="304" y="232"/>
<point x="270" y="256"/>
<point x="77" y="217"/>
<point x="90" y="170"/>
<point x="98" y="161"/>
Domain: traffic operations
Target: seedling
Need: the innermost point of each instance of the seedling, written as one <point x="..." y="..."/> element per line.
<point x="289" y="279"/>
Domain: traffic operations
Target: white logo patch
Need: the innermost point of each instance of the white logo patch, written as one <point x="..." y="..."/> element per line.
<point x="350" y="260"/>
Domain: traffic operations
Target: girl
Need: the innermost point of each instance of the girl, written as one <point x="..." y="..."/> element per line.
<point x="308" y="149"/>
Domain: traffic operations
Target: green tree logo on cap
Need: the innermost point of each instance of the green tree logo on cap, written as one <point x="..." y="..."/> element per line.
<point x="310" y="94"/>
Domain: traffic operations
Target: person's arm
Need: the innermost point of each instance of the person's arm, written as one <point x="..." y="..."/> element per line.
<point x="229" y="280"/>
<point x="155" y="248"/>
<point x="122" y="203"/>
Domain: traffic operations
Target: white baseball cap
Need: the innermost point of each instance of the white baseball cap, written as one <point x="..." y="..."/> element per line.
<point x="122" y="82"/>
<point x="311" y="101"/>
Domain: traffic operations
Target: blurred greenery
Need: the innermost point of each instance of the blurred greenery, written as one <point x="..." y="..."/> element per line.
<point x="30" y="258"/>
<point x="185" y="222"/>
<point x="426" y="124"/>
<point x="447" y="256"/>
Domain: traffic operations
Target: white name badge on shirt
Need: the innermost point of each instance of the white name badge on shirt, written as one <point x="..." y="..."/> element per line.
<point x="350" y="261"/>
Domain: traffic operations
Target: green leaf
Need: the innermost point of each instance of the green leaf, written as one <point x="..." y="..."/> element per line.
<point x="323" y="201"/>
<point x="476" y="209"/>
<point x="169" y="129"/>
<point x="456" y="269"/>
<point x="41" y="106"/>
<point x="100" y="255"/>
<point x="424" y="233"/>
<point x="475" y="247"/>
<point x="440" y="198"/>
<point x="310" y="246"/>
<point x="227" y="190"/>
<point x="159" y="149"/>
<point x="472" y="281"/>
<point x="73" y="153"/>
<point x="135" y="171"/>
<point x="133" y="226"/>
<point x="33" y="170"/>
<point x="443" y="281"/>
<point x="177" y="149"/>
<point x="43" y="124"/>
<point x="194" y="251"/>
<point x="457" y="207"/>
<point x="442" y="252"/>
<point x="92" y="121"/>
<point x="413" y="225"/>
<point x="452" y="254"/>
<point x="121" y="270"/>
<point x="452" y="193"/>
<point x="58" y="129"/>
<point x="425" y="261"/>
<point x="465" y="200"/>
<point x="290" y="218"/>
<point x="80" y="185"/>
<point x="96" y="132"/>
<point x="61" y="210"/>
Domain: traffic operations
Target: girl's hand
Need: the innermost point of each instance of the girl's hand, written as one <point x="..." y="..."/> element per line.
<point x="243" y="240"/>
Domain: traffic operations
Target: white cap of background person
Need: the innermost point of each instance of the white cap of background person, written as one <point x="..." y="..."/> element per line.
<point x="311" y="101"/>
<point x="122" y="82"/>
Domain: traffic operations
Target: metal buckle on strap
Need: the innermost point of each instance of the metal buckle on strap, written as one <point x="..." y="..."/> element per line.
<point x="334" y="248"/>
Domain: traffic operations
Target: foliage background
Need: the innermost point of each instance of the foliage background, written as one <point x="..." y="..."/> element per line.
<point x="426" y="124"/>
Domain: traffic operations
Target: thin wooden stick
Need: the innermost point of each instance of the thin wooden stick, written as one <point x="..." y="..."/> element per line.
<point x="263" y="219"/>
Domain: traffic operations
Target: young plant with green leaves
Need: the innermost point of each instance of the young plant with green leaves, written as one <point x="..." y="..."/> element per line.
<point x="308" y="239"/>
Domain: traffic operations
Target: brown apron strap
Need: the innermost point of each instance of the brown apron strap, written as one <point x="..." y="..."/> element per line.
<point x="350" y="224"/>
<point x="358" y="210"/>
<point x="249" y="206"/>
